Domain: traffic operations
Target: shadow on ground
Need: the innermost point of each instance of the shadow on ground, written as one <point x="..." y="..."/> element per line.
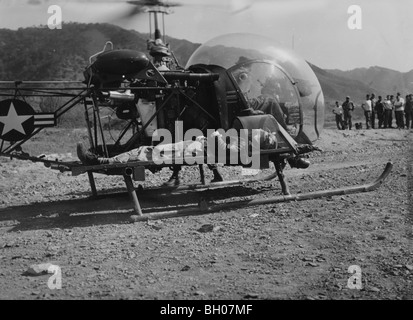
<point x="109" y="208"/>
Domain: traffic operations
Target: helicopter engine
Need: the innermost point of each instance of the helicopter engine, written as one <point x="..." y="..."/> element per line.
<point x="113" y="67"/>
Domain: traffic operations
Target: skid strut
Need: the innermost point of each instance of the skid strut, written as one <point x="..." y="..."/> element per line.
<point x="205" y="209"/>
<point x="132" y="194"/>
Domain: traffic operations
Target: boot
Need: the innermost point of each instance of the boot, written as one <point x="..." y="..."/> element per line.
<point x="298" y="163"/>
<point x="87" y="157"/>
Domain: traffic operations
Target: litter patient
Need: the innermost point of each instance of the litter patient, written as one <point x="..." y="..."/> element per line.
<point x="164" y="152"/>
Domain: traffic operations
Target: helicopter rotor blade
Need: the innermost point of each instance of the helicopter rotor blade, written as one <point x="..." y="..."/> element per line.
<point x="124" y="14"/>
<point x="154" y="3"/>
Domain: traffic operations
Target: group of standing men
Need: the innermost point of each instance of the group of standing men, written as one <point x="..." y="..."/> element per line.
<point x="377" y="108"/>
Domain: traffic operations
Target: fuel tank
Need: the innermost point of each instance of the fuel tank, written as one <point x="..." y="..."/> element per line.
<point x="120" y="62"/>
<point x="112" y="67"/>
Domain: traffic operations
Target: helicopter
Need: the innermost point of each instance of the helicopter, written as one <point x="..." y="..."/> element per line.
<point x="232" y="85"/>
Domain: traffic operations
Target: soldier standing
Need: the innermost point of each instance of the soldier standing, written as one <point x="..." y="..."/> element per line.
<point x="388" y="109"/>
<point x="408" y="111"/>
<point x="348" y="107"/>
<point x="373" y="109"/>
<point x="367" y="107"/>
<point x="380" y="112"/>
<point x="399" y="111"/>
<point x="338" y="111"/>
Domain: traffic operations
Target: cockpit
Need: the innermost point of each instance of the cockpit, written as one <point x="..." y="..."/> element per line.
<point x="261" y="70"/>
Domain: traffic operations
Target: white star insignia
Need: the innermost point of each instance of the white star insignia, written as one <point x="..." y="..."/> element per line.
<point x="13" y="121"/>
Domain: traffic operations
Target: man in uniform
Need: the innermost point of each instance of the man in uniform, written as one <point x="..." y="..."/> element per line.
<point x="399" y="111"/>
<point x="379" y="107"/>
<point x="348" y="107"/>
<point x="338" y="111"/>
<point x="373" y="110"/>
<point x="408" y="111"/>
<point x="367" y="107"/>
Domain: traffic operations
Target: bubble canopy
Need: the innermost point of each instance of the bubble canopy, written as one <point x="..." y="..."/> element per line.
<point x="229" y="50"/>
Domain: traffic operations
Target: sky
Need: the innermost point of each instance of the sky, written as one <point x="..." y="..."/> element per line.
<point x="331" y="34"/>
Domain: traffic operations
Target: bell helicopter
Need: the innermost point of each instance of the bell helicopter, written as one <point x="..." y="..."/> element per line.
<point x="232" y="84"/>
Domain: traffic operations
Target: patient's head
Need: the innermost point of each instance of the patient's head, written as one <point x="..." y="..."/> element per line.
<point x="266" y="139"/>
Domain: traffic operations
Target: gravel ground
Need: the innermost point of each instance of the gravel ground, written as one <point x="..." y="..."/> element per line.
<point x="295" y="250"/>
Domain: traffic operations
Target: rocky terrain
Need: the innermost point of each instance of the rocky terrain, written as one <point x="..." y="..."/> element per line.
<point x="296" y="250"/>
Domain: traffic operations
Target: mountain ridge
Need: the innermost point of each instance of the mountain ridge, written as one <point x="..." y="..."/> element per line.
<point x="382" y="80"/>
<point x="38" y="53"/>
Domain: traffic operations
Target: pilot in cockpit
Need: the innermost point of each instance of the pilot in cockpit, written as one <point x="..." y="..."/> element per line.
<point x="261" y="94"/>
<point x="257" y="99"/>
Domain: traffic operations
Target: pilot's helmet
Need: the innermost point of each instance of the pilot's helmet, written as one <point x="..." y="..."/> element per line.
<point x="242" y="72"/>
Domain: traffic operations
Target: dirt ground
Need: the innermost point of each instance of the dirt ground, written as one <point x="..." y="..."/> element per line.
<point x="296" y="250"/>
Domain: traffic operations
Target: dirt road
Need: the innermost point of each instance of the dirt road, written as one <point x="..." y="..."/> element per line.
<point x="296" y="250"/>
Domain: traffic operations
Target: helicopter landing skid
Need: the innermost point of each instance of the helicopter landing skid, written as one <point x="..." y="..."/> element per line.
<point x="205" y="208"/>
<point x="135" y="192"/>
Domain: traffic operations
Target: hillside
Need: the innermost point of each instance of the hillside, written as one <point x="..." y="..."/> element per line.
<point x="43" y="54"/>
<point x="336" y="87"/>
<point x="383" y="81"/>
